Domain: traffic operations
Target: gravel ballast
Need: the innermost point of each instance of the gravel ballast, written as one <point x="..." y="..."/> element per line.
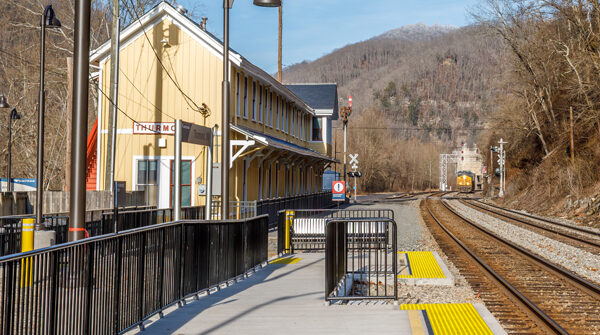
<point x="571" y="258"/>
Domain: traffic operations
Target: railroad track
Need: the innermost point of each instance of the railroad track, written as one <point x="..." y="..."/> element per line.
<point x="527" y="294"/>
<point x="570" y="235"/>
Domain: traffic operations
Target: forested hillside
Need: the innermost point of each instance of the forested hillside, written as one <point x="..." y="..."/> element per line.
<point x="429" y="85"/>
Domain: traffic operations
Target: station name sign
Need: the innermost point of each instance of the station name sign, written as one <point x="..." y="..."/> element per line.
<point x="193" y="133"/>
<point x="154" y="128"/>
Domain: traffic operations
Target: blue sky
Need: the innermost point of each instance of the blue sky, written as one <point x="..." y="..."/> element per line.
<point x="313" y="28"/>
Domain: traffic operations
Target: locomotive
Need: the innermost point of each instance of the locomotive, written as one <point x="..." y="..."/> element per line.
<point x="464" y="181"/>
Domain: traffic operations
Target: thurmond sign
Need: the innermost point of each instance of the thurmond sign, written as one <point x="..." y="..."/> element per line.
<point x="153" y="128"/>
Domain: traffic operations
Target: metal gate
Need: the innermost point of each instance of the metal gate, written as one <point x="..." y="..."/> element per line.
<point x="303" y="230"/>
<point x="361" y="259"/>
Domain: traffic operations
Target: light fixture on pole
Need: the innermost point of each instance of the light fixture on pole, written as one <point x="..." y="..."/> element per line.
<point x="227" y="5"/>
<point x="49" y="20"/>
<point x="12" y="116"/>
<point x="4" y="104"/>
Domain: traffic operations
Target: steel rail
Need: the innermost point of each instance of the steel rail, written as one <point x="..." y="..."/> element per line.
<point x="483" y="208"/>
<point x="543" y="317"/>
<point x="583" y="230"/>
<point x="574" y="278"/>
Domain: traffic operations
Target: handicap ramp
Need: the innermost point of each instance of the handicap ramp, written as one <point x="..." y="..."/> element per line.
<point x="286" y="296"/>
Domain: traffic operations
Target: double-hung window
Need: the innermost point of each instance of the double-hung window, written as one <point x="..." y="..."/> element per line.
<point x="147" y="178"/>
<point x="253" y="100"/>
<point x="277" y="112"/>
<point x="237" y="97"/>
<point x="246" y="97"/>
<point x="317" y="129"/>
<point x="260" y="103"/>
<point x="271" y="109"/>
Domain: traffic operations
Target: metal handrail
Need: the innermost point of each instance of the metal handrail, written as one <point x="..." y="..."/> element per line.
<point x="114" y="282"/>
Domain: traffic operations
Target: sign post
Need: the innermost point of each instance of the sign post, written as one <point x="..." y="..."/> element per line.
<point x="354" y="162"/>
<point x="195" y="134"/>
<point x="338" y="190"/>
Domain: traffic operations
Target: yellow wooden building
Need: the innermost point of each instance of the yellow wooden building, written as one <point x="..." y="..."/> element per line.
<point x="171" y="68"/>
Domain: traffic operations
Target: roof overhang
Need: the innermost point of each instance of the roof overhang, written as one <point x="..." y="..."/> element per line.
<point x="274" y="143"/>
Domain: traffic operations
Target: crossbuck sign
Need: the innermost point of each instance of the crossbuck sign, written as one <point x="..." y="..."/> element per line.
<point x="354" y="161"/>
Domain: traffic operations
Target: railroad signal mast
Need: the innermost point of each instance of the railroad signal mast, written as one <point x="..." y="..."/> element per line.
<point x="501" y="162"/>
<point x="345" y="112"/>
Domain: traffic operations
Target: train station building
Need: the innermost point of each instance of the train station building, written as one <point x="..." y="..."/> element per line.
<point x="170" y="68"/>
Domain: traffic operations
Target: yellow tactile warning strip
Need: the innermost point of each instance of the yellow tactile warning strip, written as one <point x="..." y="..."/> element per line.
<point x="446" y="319"/>
<point x="290" y="260"/>
<point x="421" y="264"/>
<point x="418" y="325"/>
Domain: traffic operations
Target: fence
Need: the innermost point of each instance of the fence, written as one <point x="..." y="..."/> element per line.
<point x="272" y="207"/>
<point x="111" y="283"/>
<point x="98" y="222"/>
<point x="361" y="259"/>
<point x="306" y="230"/>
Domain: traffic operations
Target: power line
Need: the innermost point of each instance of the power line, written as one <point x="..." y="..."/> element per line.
<point x="202" y="110"/>
<point x="427" y="129"/>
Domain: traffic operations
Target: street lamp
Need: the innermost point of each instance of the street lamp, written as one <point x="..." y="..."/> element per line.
<point x="49" y="20"/>
<point x="4" y="104"/>
<point x="12" y="116"/>
<point x="227" y="4"/>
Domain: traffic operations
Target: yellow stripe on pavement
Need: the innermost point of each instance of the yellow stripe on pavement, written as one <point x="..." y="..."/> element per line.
<point x="452" y="319"/>
<point x="422" y="264"/>
<point x="290" y="260"/>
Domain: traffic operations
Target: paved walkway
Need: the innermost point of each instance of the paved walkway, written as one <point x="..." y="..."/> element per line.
<point x="280" y="299"/>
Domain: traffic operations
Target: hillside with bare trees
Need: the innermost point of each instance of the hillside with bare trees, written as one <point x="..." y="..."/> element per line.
<point x="428" y="87"/>
<point x="551" y="102"/>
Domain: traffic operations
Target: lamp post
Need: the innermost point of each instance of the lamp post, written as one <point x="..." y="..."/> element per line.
<point x="4" y="104"/>
<point x="49" y="20"/>
<point x="12" y="116"/>
<point x="227" y="5"/>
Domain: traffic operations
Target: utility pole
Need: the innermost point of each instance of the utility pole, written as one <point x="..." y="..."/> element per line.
<point x="502" y="162"/>
<point x="227" y="4"/>
<point x="81" y="67"/>
<point x="279" y="58"/>
<point x="571" y="135"/>
<point x="491" y="176"/>
<point x="114" y="97"/>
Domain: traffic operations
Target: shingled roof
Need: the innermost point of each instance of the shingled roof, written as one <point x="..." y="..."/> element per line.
<point x="323" y="98"/>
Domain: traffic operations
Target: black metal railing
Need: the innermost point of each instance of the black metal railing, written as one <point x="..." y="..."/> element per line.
<point x="361" y="259"/>
<point x="111" y="283"/>
<point x="307" y="229"/>
<point x="272" y="207"/>
<point x="98" y="222"/>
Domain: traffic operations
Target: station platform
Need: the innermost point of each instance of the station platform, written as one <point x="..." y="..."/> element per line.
<point x="288" y="295"/>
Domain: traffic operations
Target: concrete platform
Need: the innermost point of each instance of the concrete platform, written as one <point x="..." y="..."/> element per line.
<point x="287" y="298"/>
<point x="423" y="268"/>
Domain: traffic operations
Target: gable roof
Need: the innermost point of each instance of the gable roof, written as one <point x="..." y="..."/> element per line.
<point x="164" y="10"/>
<point x="323" y="98"/>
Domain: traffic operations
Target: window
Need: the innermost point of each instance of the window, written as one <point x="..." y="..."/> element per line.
<point x="147" y="173"/>
<point x="284" y="117"/>
<point x="253" y="100"/>
<point x="260" y="103"/>
<point x="302" y="128"/>
<point x="186" y="183"/>
<point x="246" y="97"/>
<point x="271" y="109"/>
<point x="147" y="178"/>
<point x="237" y="97"/>
<point x="277" y="111"/>
<point x="317" y="129"/>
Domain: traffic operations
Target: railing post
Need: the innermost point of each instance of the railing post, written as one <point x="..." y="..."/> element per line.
<point x="9" y="302"/>
<point x="90" y="288"/>
<point x="116" y="293"/>
<point x="141" y="277"/>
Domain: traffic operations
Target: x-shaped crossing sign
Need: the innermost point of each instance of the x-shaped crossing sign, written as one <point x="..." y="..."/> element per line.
<point x="353" y="159"/>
